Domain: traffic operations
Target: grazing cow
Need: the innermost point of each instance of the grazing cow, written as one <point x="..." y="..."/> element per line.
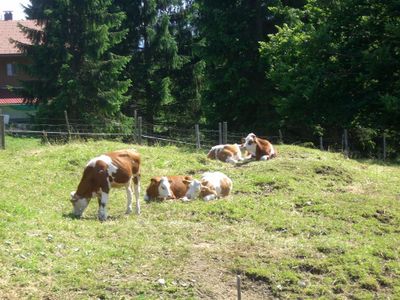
<point x="167" y="187"/>
<point x="259" y="148"/>
<point x="113" y="169"/>
<point x="211" y="186"/>
<point x="230" y="153"/>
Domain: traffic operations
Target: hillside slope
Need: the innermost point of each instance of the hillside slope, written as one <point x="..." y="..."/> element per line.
<point x="307" y="224"/>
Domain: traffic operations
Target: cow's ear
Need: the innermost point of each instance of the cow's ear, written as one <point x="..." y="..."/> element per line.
<point x="204" y="183"/>
<point x="154" y="180"/>
<point x="186" y="181"/>
<point x="188" y="178"/>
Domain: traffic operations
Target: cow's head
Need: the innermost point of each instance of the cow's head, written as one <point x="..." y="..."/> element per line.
<point x="250" y="143"/>
<point x="163" y="187"/>
<point x="79" y="204"/>
<point x="198" y="188"/>
<point x="194" y="188"/>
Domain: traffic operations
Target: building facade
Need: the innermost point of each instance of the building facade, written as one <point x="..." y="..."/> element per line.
<point x="12" y="106"/>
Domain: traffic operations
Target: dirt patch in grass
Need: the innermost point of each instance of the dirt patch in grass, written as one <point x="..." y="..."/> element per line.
<point x="336" y="172"/>
<point x="213" y="280"/>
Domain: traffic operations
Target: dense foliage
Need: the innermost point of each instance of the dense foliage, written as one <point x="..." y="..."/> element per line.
<point x="307" y="67"/>
<point x="72" y="65"/>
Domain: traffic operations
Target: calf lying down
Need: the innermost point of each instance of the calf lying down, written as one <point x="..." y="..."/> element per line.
<point x="211" y="186"/>
<point x="167" y="187"/>
<point x="230" y="153"/>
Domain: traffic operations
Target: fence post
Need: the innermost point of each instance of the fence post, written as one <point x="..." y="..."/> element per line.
<point x="196" y="127"/>
<point x="321" y="143"/>
<point x="280" y="136"/>
<point x="68" y="127"/>
<point x="225" y="133"/>
<point x="384" y="146"/>
<point x="139" y="130"/>
<point x="219" y="133"/>
<point x="2" y="133"/>
<point x="346" y="143"/>
<point x="239" y="287"/>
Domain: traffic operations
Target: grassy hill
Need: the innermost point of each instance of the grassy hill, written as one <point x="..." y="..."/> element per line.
<point x="307" y="224"/>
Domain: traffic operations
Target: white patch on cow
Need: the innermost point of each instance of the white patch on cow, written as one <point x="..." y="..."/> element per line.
<point x="193" y="191"/>
<point x="129" y="197"/>
<point x="250" y="144"/>
<point x="272" y="151"/>
<point x="164" y="188"/>
<point x="214" y="179"/>
<point x="112" y="169"/>
<point x="137" y="193"/>
<point x="79" y="204"/>
<point x="209" y="197"/>
<point x="264" y="157"/>
<point x="103" y="206"/>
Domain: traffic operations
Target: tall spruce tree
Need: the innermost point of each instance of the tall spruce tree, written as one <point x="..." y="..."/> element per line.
<point x="72" y="66"/>
<point x="155" y="28"/>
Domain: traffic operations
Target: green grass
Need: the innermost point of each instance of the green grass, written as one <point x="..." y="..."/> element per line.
<point x="307" y="224"/>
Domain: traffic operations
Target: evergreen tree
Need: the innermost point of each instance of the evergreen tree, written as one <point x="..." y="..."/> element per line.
<point x="155" y="69"/>
<point x="72" y="65"/>
<point x="237" y="90"/>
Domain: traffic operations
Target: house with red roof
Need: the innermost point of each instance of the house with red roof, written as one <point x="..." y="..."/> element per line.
<point x="11" y="105"/>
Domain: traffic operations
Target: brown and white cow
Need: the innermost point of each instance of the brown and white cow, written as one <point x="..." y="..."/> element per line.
<point x="259" y="148"/>
<point x="167" y="187"/>
<point x="211" y="186"/>
<point x="231" y="153"/>
<point x="113" y="169"/>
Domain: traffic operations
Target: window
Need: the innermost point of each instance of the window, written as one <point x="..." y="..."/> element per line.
<point x="11" y="69"/>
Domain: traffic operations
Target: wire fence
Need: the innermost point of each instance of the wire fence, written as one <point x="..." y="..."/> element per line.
<point x="353" y="143"/>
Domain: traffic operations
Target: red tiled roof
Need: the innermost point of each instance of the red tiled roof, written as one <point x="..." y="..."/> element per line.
<point x="7" y="97"/>
<point x="9" y="29"/>
<point x="11" y="101"/>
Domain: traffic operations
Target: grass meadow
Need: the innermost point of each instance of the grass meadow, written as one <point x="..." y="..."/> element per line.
<point x="308" y="224"/>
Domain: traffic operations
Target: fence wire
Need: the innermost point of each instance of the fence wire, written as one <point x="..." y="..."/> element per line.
<point x="360" y="144"/>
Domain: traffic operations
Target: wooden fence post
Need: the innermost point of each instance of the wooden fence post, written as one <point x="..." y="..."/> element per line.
<point x="225" y="133"/>
<point x="135" y="125"/>
<point x="68" y="126"/>
<point x="321" y="143"/>
<point x="384" y="146"/>
<point x="280" y="136"/>
<point x="139" y="130"/>
<point x="239" y="287"/>
<point x="196" y="128"/>
<point x="346" y="143"/>
<point x="2" y="133"/>
<point x="219" y="133"/>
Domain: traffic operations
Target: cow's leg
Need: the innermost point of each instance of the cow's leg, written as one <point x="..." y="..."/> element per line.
<point x="129" y="197"/>
<point x="209" y="197"/>
<point x="136" y="183"/>
<point x="103" y="200"/>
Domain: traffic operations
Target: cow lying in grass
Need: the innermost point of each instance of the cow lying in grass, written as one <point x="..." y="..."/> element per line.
<point x="211" y="186"/>
<point x="167" y="187"/>
<point x="113" y="169"/>
<point x="231" y="153"/>
<point x="259" y="148"/>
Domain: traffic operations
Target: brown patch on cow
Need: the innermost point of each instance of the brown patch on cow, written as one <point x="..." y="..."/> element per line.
<point x="225" y="187"/>
<point x="263" y="147"/>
